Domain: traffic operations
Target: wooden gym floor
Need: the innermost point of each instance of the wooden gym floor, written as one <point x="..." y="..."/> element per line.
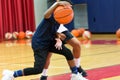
<point x="103" y="50"/>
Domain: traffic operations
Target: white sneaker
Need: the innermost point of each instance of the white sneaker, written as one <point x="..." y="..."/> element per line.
<point x="77" y="77"/>
<point x="7" y="75"/>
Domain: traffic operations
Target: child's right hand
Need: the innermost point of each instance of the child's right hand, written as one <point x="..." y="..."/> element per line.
<point x="64" y="3"/>
<point x="58" y="44"/>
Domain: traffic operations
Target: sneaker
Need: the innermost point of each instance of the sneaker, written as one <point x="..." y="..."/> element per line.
<point x="80" y="70"/>
<point x="43" y="78"/>
<point x="7" y="75"/>
<point x="77" y="77"/>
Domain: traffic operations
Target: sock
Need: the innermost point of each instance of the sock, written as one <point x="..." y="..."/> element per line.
<point x="18" y="73"/>
<point x="74" y="70"/>
<point x="77" y="62"/>
<point x="44" y="72"/>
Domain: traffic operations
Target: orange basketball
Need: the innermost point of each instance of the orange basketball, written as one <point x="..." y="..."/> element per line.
<point x="118" y="33"/>
<point x="75" y="32"/>
<point x="21" y="35"/>
<point x="81" y="31"/>
<point x="63" y="15"/>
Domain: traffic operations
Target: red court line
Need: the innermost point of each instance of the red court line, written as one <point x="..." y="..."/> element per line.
<point x="93" y="74"/>
<point x="105" y="72"/>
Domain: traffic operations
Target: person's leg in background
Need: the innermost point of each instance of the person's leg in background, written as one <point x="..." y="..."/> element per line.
<point x="76" y="50"/>
<point x="70" y="59"/>
<point x="74" y="42"/>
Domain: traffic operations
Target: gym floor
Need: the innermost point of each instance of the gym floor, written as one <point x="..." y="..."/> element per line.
<point x="100" y="57"/>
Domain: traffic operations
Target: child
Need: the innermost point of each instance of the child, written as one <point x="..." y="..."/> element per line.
<point x="69" y="39"/>
<point x="43" y="42"/>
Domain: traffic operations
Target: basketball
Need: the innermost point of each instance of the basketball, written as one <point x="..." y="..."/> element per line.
<point x="8" y="35"/>
<point x="86" y="35"/>
<point x="21" y="35"/>
<point x="15" y="35"/>
<point x="118" y="33"/>
<point x="63" y="15"/>
<point x="75" y="32"/>
<point x="81" y="31"/>
<point x="29" y="34"/>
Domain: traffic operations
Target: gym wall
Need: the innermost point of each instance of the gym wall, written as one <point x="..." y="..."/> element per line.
<point x="80" y="13"/>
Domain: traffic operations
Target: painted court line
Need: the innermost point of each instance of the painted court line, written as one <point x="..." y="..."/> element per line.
<point x="93" y="74"/>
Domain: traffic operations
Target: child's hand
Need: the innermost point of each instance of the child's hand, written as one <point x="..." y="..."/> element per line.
<point x="64" y="3"/>
<point x="58" y="44"/>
